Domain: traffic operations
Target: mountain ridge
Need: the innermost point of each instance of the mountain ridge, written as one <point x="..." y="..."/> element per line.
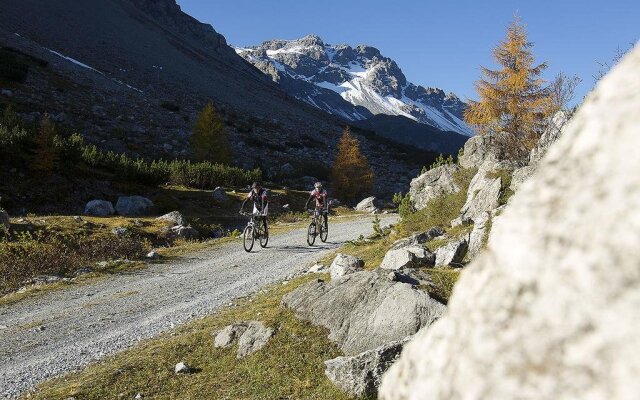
<point x="367" y="82"/>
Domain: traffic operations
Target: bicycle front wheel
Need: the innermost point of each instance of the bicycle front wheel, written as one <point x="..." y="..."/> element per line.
<point x="324" y="231"/>
<point x="248" y="238"/>
<point x="264" y="236"/>
<point x="311" y="234"/>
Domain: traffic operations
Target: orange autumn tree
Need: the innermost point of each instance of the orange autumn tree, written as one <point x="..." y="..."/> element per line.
<point x="210" y="140"/>
<point x="46" y="154"/>
<point x="351" y="175"/>
<point x="513" y="98"/>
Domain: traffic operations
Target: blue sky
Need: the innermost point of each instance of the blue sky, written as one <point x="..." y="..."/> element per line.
<point x="438" y="43"/>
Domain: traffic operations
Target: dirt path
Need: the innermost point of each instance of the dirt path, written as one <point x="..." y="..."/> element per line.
<point x="61" y="331"/>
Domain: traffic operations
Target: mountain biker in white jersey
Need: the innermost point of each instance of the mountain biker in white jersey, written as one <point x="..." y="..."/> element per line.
<point x="260" y="199"/>
<point x="321" y="198"/>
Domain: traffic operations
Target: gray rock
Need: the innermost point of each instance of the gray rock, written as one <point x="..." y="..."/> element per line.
<point x="364" y="310"/>
<point x="99" y="208"/>
<point x="286" y="170"/>
<point x="549" y="136"/>
<point x="361" y="375"/>
<point x="175" y="217"/>
<point x="219" y="195"/>
<point x="433" y="183"/>
<point x="182" y="368"/>
<point x="254" y="338"/>
<point x="250" y="335"/>
<point x="452" y="253"/>
<point x="489" y="150"/>
<point x="408" y="257"/>
<point x="483" y="194"/>
<point x="370" y="204"/>
<point x="153" y="255"/>
<point x="478" y="234"/>
<point x="4" y="219"/>
<point x="520" y="175"/>
<point x="344" y="264"/>
<point x="419" y="238"/>
<point x="551" y="308"/>
<point x="134" y="206"/>
<point x="461" y="221"/>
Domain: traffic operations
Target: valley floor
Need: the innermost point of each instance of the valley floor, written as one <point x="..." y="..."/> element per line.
<point x="61" y="331"/>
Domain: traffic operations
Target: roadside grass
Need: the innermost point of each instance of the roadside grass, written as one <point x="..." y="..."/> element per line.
<point x="290" y="366"/>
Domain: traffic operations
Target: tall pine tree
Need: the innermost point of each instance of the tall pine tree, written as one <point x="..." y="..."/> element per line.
<point x="209" y="141"/>
<point x="351" y="176"/>
<point x="514" y="98"/>
<point x="46" y="154"/>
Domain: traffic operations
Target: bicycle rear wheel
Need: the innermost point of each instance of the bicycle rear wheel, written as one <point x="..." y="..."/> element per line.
<point x="248" y="238"/>
<point x="311" y="234"/>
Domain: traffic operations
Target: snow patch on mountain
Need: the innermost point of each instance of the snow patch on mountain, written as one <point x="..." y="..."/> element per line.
<point x="361" y="76"/>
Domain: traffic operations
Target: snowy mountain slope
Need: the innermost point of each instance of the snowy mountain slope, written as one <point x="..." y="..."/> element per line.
<point x="323" y="75"/>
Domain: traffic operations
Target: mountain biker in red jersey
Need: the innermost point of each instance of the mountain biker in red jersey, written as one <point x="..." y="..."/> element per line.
<point x="322" y="202"/>
<point x="260" y="199"/>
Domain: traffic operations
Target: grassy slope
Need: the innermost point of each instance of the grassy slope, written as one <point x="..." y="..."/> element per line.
<point x="289" y="367"/>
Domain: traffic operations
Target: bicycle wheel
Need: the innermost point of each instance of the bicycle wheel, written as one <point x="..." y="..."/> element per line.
<point x="264" y="236"/>
<point x="248" y="238"/>
<point x="324" y="231"/>
<point x="311" y="234"/>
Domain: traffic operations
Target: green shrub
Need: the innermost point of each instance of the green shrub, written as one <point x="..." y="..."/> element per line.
<point x="404" y="203"/>
<point x="440" y="160"/>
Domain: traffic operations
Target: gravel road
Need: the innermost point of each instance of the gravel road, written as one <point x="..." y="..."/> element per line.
<point x="61" y="331"/>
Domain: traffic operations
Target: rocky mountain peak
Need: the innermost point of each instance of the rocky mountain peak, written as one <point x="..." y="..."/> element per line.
<point x="336" y="78"/>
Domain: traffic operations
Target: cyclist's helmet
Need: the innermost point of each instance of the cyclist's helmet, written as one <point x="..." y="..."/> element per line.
<point x="256" y="185"/>
<point x="318" y="185"/>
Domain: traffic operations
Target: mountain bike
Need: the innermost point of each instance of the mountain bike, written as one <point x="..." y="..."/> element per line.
<point x="317" y="227"/>
<point x="255" y="229"/>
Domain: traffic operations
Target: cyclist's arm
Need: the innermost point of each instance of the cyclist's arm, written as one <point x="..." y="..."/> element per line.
<point x="308" y="201"/>
<point x="243" y="204"/>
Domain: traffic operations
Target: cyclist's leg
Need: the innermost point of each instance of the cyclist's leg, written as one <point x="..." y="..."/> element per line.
<point x="264" y="222"/>
<point x="325" y="216"/>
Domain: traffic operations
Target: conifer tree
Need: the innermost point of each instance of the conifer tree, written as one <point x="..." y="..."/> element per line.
<point x="351" y="175"/>
<point x="514" y="98"/>
<point x="45" y="152"/>
<point x="209" y="140"/>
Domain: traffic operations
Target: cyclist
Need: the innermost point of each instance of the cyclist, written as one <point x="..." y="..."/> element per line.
<point x="260" y="199"/>
<point x="320" y="196"/>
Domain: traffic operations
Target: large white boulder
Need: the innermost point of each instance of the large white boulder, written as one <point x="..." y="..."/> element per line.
<point x="551" y="309"/>
<point x="344" y="264"/>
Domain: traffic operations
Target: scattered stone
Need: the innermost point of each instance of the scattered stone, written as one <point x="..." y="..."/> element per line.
<point x="367" y="205"/>
<point x="120" y="231"/>
<point x="461" y="221"/>
<point x="77" y="218"/>
<point x="83" y="271"/>
<point x="138" y="396"/>
<point x="433" y="183"/>
<point x="408" y="257"/>
<point x="182" y="368"/>
<point x="419" y="238"/>
<point x="153" y="255"/>
<point x="219" y="195"/>
<point x="452" y="253"/>
<point x="134" y="206"/>
<point x="365" y="309"/>
<point x="361" y="375"/>
<point x="557" y="286"/>
<point x="185" y="232"/>
<point x="250" y="335"/>
<point x="344" y="264"/>
<point x="99" y="208"/>
<point x="174" y="217"/>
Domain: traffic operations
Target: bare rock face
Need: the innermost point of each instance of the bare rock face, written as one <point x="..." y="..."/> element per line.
<point x="483" y="194"/>
<point x="361" y="375"/>
<point x="551" y="309"/>
<point x="364" y="310"/>
<point x="433" y="183"/>
<point x="345" y="264"/>
<point x="251" y="336"/>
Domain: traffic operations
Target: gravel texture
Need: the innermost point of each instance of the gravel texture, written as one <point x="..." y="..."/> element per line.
<point x="61" y="331"/>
